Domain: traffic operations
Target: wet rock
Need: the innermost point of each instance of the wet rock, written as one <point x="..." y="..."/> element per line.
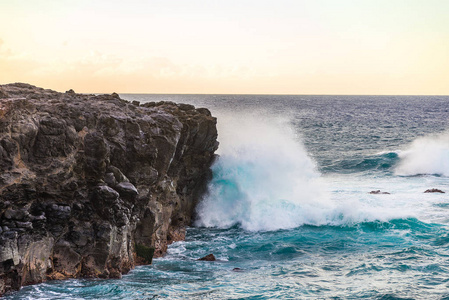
<point x="378" y="192"/>
<point x="92" y="185"/>
<point x="434" y="191"/>
<point x="209" y="257"/>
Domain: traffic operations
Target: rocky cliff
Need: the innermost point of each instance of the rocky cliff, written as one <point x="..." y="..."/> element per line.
<point x="91" y="186"/>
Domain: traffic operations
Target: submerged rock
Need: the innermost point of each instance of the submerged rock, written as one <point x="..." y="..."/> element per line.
<point x="92" y="185"/>
<point x="209" y="257"/>
<point x="434" y="191"/>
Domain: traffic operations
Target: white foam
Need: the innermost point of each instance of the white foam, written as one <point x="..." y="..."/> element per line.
<point x="426" y="155"/>
<point x="264" y="179"/>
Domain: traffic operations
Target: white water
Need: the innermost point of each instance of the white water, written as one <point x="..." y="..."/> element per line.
<point x="265" y="180"/>
<point x="426" y="155"/>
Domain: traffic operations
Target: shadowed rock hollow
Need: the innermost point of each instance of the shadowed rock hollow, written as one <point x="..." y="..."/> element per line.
<point x="91" y="186"/>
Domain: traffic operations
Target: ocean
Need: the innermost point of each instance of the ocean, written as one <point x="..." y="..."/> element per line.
<point x="289" y="213"/>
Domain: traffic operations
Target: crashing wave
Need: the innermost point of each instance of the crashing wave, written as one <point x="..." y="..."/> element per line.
<point x="264" y="180"/>
<point x="426" y="155"/>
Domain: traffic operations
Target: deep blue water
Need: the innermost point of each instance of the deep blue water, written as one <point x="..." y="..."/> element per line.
<point x="289" y="205"/>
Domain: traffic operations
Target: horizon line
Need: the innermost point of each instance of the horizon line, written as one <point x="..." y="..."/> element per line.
<point x="274" y="94"/>
<point x="236" y="94"/>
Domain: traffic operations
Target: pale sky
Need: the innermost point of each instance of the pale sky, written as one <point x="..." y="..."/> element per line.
<point x="232" y="47"/>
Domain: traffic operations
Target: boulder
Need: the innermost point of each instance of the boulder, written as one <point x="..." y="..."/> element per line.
<point x="209" y="257"/>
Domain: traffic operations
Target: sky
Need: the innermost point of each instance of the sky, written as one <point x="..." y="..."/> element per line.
<point x="374" y="47"/>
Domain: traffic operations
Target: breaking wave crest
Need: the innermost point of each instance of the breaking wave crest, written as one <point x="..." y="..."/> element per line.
<point x="426" y="155"/>
<point x="383" y="161"/>
<point x="263" y="180"/>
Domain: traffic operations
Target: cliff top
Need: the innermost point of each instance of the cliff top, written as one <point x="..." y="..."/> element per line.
<point x="37" y="95"/>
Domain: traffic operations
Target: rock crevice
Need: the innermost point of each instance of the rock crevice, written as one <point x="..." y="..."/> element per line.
<point x="92" y="185"/>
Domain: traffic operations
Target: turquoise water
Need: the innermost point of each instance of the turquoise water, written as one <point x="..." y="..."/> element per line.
<point x="288" y="214"/>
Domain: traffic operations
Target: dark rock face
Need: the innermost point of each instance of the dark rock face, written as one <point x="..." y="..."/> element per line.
<point x="378" y="192"/>
<point x="90" y="185"/>
<point x="434" y="191"/>
<point x="209" y="257"/>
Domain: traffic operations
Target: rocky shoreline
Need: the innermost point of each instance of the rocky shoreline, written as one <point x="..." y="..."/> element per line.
<point x="91" y="186"/>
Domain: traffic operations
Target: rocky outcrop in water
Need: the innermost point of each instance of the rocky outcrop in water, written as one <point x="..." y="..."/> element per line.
<point x="209" y="257"/>
<point x="91" y="186"/>
<point x="434" y="191"/>
<point x="378" y="192"/>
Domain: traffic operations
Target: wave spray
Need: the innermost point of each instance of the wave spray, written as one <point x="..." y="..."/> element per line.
<point x="426" y="155"/>
<point x="263" y="180"/>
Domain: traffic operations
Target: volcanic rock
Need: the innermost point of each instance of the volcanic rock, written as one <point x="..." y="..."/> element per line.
<point x="378" y="192"/>
<point x="3" y="94"/>
<point x="209" y="257"/>
<point x="91" y="185"/>
<point x="434" y="191"/>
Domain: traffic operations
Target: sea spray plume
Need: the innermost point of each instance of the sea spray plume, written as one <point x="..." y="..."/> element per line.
<point x="426" y="155"/>
<point x="263" y="180"/>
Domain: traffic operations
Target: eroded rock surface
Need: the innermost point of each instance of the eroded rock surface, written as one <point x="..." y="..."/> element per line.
<point x="91" y="185"/>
